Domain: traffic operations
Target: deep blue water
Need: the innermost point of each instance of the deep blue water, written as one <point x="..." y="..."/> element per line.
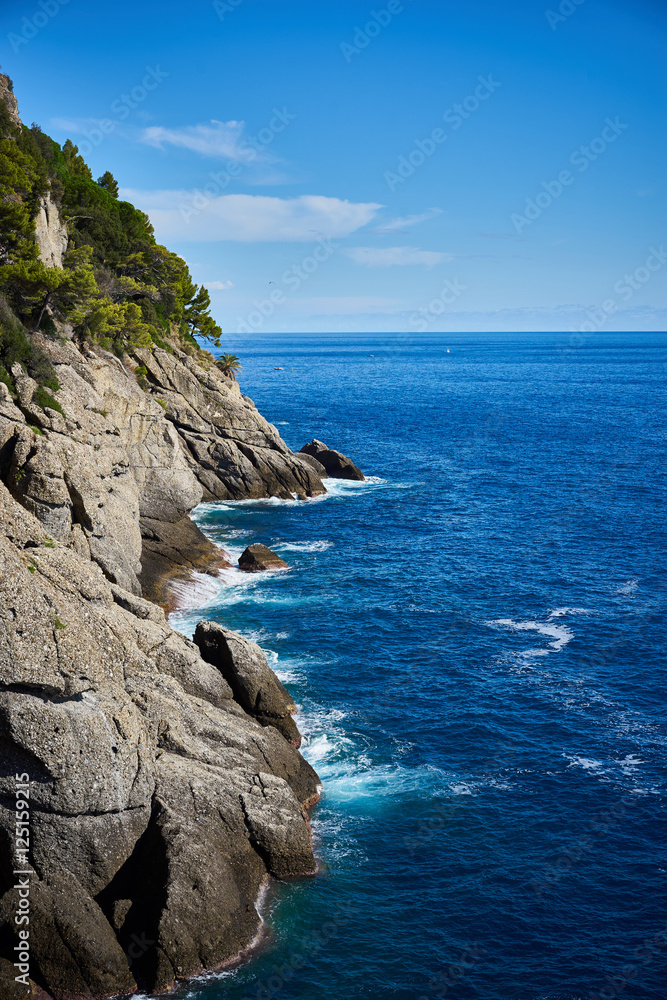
<point x="474" y="638"/>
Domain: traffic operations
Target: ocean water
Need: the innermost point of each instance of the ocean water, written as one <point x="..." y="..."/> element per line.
<point x="475" y="639"/>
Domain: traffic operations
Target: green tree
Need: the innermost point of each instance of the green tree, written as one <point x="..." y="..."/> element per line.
<point x="229" y="364"/>
<point x="196" y="315"/>
<point x="109" y="183"/>
<point x="38" y="287"/>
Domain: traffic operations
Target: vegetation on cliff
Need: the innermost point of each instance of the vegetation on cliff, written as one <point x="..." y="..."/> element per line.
<point x="118" y="287"/>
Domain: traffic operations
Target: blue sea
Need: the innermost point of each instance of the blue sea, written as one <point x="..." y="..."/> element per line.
<point x="475" y="639"/>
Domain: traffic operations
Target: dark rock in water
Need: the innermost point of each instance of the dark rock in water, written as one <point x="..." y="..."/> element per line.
<point x="256" y="688"/>
<point x="257" y="558"/>
<point x="337" y="465"/>
<point x="314" y="464"/>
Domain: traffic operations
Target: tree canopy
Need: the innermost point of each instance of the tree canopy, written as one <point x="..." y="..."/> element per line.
<point x="118" y="286"/>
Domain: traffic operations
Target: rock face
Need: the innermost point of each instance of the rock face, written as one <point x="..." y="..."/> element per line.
<point x="230" y="448"/>
<point x="256" y="688"/>
<point x="257" y="558"/>
<point x="336" y="465"/>
<point x="165" y="783"/>
<point x="51" y="233"/>
<point x="9" y="99"/>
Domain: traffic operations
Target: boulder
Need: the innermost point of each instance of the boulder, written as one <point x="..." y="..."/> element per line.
<point x="337" y="465"/>
<point x="257" y="558"/>
<point x="244" y="666"/>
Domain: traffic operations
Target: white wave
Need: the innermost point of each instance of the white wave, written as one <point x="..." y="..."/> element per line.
<point x="560" y="612"/>
<point x="627" y="588"/>
<point x="585" y="762"/>
<point x="236" y="533"/>
<point x="197" y="592"/>
<point x="462" y="788"/>
<point x="261" y="635"/>
<point x="207" y="508"/>
<point x="320" y="546"/>
<point x="560" y="635"/>
<point x="617" y="771"/>
<point x="288" y="671"/>
<point x="342" y="487"/>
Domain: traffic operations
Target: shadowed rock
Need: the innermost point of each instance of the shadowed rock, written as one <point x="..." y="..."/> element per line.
<point x="244" y="666"/>
<point x="337" y="465"/>
<point x="258" y="558"/>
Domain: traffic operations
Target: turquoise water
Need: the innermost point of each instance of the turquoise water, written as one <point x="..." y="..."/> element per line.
<point x="475" y="640"/>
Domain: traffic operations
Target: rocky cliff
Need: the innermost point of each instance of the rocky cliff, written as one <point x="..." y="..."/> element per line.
<point x="165" y="783"/>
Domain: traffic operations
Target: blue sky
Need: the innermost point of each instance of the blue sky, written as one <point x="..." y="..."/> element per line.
<point x="408" y="165"/>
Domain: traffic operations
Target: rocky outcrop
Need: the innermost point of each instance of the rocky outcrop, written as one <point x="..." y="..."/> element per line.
<point x="159" y="806"/>
<point x="231" y="449"/>
<point x="8" y="98"/>
<point x="258" y="558"/>
<point x="116" y="473"/>
<point x="244" y="666"/>
<point x="335" y="464"/>
<point x="50" y="233"/>
<point x="166" y="784"/>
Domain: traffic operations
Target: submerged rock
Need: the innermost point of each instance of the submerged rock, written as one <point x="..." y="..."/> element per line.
<point x="337" y="465"/>
<point x="257" y="558"/>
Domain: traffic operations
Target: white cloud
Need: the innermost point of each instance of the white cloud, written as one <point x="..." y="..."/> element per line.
<point x="404" y="222"/>
<point x="219" y="286"/>
<point x="395" y="256"/>
<point x="195" y="217"/>
<point x="217" y="139"/>
<point x="69" y="124"/>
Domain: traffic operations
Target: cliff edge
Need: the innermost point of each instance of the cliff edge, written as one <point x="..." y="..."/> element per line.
<point x="150" y="785"/>
<point x="159" y="803"/>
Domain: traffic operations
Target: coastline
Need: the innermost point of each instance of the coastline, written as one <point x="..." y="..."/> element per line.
<point x="122" y="469"/>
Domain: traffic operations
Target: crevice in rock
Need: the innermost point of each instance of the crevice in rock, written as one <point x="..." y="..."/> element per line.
<point x="142" y="883"/>
<point x="79" y="515"/>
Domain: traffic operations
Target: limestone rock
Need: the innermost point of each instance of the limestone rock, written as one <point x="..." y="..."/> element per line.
<point x="244" y="666"/>
<point x="231" y="448"/>
<point x="257" y="558"/>
<point x="337" y="465"/>
<point x="9" y="99"/>
<point x="50" y="233"/>
<point x="282" y="836"/>
<point x="147" y="752"/>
